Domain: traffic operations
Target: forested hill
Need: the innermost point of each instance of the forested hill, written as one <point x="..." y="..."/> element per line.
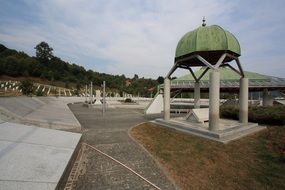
<point x="49" y="67"/>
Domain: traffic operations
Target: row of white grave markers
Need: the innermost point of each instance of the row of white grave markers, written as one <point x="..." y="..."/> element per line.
<point x="14" y="86"/>
<point x="117" y="95"/>
<point x="65" y="91"/>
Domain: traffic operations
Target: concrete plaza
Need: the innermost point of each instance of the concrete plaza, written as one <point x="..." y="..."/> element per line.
<point x="33" y="158"/>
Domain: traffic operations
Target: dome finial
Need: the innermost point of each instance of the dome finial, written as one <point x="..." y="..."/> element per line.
<point x="204" y="21"/>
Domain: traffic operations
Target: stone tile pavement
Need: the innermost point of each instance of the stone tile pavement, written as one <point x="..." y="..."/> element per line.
<point x="110" y="135"/>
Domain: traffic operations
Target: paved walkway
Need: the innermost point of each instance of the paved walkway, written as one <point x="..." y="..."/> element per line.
<point x="110" y="135"/>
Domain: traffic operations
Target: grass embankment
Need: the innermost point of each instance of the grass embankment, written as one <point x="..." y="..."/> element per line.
<point x="253" y="162"/>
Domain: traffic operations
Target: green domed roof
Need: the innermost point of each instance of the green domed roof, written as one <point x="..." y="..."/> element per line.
<point x="207" y="39"/>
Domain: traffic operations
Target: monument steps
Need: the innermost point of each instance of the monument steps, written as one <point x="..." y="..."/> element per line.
<point x="247" y="130"/>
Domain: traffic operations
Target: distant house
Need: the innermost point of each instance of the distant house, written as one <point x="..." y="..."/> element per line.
<point x="128" y="83"/>
<point x="152" y="89"/>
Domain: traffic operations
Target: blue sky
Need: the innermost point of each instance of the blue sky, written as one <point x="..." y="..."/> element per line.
<point x="140" y="36"/>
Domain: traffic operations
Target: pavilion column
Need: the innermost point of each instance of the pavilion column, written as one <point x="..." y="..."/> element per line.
<point x="243" y="101"/>
<point x="214" y="100"/>
<point x="197" y="95"/>
<point x="267" y="99"/>
<point x="166" y="99"/>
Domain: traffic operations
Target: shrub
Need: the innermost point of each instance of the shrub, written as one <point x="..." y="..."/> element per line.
<point x="231" y="112"/>
<point x="128" y="100"/>
<point x="39" y="92"/>
<point x="26" y="86"/>
<point x="274" y="115"/>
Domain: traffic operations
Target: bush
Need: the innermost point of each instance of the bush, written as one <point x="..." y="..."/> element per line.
<point x="274" y="115"/>
<point x="231" y="112"/>
<point x="39" y="92"/>
<point x="27" y="87"/>
<point x="128" y="100"/>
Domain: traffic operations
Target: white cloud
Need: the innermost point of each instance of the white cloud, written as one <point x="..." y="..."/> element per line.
<point x="133" y="36"/>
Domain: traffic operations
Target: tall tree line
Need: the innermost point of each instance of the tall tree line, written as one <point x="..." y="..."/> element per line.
<point x="47" y="66"/>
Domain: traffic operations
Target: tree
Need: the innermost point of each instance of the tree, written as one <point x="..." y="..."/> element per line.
<point x="44" y="52"/>
<point x="160" y="80"/>
<point x="136" y="77"/>
<point x="12" y="66"/>
<point x="26" y="86"/>
<point x="2" y="48"/>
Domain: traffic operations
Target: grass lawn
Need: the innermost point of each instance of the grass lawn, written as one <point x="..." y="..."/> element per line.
<point x="253" y="162"/>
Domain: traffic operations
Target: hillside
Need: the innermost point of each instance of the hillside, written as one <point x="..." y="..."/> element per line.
<point x="49" y="69"/>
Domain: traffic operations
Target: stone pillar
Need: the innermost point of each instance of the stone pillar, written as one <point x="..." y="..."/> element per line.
<point x="166" y="99"/>
<point x="214" y="100"/>
<point x="267" y="99"/>
<point x="91" y="93"/>
<point x="104" y="97"/>
<point x="197" y="95"/>
<point x="86" y="91"/>
<point x="243" y="101"/>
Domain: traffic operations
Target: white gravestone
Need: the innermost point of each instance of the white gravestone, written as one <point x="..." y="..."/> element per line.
<point x="98" y="97"/>
<point x="48" y="91"/>
<point x="200" y="115"/>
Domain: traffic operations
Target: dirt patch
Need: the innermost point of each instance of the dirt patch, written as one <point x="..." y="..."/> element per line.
<point x="253" y="162"/>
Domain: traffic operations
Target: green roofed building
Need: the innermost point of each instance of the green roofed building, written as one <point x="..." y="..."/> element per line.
<point x="229" y="81"/>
